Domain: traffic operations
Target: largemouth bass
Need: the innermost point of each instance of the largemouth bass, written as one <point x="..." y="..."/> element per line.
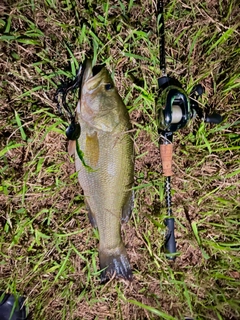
<point x="108" y="150"/>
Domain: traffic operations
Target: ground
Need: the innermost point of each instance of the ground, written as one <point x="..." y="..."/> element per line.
<point x="48" y="248"/>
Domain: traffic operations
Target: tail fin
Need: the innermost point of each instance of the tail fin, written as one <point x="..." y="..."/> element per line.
<point x="115" y="262"/>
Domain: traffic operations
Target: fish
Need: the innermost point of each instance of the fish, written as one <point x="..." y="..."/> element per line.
<point x="107" y="173"/>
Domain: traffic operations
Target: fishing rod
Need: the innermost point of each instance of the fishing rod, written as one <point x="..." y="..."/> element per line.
<point x="174" y="109"/>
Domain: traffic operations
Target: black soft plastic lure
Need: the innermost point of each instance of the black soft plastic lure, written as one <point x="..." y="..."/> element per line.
<point x="73" y="131"/>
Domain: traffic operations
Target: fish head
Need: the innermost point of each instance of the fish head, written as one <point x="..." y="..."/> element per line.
<point x="100" y="104"/>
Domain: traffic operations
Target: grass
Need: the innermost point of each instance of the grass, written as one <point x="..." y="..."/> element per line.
<point x="48" y="248"/>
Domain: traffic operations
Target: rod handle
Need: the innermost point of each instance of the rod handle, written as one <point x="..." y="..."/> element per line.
<point x="166" y="151"/>
<point x="170" y="242"/>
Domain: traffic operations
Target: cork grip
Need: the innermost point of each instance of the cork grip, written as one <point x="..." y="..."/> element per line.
<point x="166" y="151"/>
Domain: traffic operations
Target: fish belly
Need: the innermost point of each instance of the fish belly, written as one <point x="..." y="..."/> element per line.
<point x="107" y="190"/>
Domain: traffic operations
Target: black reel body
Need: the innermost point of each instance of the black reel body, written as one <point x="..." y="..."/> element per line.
<point x="174" y="107"/>
<point x="174" y="111"/>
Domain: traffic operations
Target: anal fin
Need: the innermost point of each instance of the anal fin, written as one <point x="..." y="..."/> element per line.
<point x="91" y="215"/>
<point x="128" y="207"/>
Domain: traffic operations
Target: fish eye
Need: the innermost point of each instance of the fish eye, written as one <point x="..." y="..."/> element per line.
<point x="108" y="86"/>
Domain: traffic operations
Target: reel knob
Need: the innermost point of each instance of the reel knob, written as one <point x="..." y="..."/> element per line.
<point x="213" y="118"/>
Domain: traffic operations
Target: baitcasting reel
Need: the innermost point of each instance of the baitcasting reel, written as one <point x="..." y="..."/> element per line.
<point x="174" y="109"/>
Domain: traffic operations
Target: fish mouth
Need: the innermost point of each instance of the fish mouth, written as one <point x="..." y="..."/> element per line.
<point x="89" y="72"/>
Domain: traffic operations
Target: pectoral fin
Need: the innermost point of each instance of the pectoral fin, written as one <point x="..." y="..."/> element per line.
<point x="128" y="207"/>
<point x="92" y="149"/>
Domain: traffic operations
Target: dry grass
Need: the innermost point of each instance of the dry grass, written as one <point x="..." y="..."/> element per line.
<point x="48" y="248"/>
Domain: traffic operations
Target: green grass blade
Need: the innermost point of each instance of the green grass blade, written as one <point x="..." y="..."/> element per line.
<point x="19" y="123"/>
